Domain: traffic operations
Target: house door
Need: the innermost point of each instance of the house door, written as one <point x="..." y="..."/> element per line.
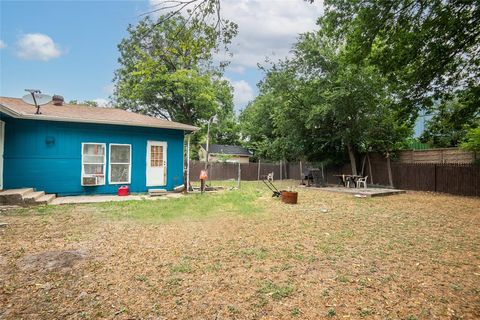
<point x="156" y="163"/>
<point x="2" y="141"/>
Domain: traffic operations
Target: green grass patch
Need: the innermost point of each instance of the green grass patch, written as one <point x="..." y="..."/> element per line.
<point x="193" y="206"/>
<point x="184" y="266"/>
<point x="277" y="292"/>
<point x="331" y="313"/>
<point x="241" y="202"/>
<point x="257" y="253"/>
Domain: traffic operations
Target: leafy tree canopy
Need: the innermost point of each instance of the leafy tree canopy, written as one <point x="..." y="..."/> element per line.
<point x="85" y="102"/>
<point x="318" y="105"/>
<point x="167" y="70"/>
<point x="425" y="48"/>
<point x="472" y="140"/>
<point x="452" y="119"/>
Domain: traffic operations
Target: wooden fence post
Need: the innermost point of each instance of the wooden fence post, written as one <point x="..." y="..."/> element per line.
<point x="301" y="171"/>
<point x="281" y="176"/>
<point x="258" y="171"/>
<point x="239" y="174"/>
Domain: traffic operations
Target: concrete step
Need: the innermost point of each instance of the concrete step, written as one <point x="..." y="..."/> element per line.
<point x="31" y="197"/>
<point x="157" y="192"/>
<point x="14" y="196"/>
<point x="45" y="199"/>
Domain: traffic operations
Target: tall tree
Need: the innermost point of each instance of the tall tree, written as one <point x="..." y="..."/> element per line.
<point x="425" y="48"/>
<point x="386" y="134"/>
<point x="167" y="70"/>
<point x="319" y="105"/>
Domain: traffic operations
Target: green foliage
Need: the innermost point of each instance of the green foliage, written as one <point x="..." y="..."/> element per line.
<point x="256" y="124"/>
<point x="277" y="292"/>
<point x="295" y="312"/>
<point x="318" y="105"/>
<point x="85" y="102"/>
<point x="167" y="70"/>
<point x="194" y="207"/>
<point x="452" y="119"/>
<point x="358" y="82"/>
<point x="414" y="144"/>
<point x="425" y="49"/>
<point x="224" y="157"/>
<point x="387" y="132"/>
<point x="472" y="140"/>
<point x="331" y="313"/>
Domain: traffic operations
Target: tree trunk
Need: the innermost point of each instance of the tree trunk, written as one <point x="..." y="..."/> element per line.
<point x="351" y="155"/>
<point x="389" y="168"/>
<point x="363" y="166"/>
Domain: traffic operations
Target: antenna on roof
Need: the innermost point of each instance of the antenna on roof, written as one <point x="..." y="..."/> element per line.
<point x="36" y="98"/>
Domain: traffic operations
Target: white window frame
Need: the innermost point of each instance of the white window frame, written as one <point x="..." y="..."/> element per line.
<point x="104" y="164"/>
<point x="110" y="163"/>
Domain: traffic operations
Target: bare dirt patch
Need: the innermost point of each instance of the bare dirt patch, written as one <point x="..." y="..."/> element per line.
<point x="412" y="256"/>
<point x="52" y="260"/>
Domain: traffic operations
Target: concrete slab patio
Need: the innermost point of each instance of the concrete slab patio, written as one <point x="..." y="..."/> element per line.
<point x="110" y="198"/>
<point x="364" y="192"/>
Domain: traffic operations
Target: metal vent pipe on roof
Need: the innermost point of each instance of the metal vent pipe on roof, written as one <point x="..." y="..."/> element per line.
<point x="58" y="100"/>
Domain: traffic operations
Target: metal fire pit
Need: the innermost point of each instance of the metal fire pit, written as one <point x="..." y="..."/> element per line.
<point x="289" y="197"/>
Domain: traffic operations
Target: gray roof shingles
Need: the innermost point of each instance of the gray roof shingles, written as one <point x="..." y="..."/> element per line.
<point x="88" y="114"/>
<point x="227" y="149"/>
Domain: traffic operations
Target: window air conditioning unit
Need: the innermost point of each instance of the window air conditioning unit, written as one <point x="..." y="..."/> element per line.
<point x="89" y="181"/>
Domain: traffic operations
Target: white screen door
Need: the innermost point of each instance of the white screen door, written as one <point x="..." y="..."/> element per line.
<point x="2" y="141"/>
<point x="156" y="163"/>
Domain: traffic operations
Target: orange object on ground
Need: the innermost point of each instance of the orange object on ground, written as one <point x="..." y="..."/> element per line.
<point x="203" y="175"/>
<point x="289" y="197"/>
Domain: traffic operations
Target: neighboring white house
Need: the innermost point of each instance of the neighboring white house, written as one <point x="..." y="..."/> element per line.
<point x="225" y="153"/>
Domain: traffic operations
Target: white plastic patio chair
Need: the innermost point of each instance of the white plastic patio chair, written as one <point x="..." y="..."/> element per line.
<point x="363" y="181"/>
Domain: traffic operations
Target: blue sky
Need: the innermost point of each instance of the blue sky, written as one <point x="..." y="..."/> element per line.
<point x="70" y="47"/>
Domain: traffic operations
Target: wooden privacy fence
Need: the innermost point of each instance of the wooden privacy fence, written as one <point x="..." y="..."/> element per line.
<point x="440" y="155"/>
<point x="460" y="179"/>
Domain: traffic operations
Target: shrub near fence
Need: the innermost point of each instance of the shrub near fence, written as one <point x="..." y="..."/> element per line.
<point x="459" y="179"/>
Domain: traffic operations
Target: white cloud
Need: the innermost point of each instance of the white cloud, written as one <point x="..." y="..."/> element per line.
<point x="37" y="46"/>
<point x="242" y="93"/>
<point x="268" y="27"/>
<point x="104" y="103"/>
<point x="2" y="44"/>
<point x="265" y="27"/>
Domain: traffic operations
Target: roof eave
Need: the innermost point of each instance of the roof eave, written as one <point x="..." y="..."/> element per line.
<point x="18" y="115"/>
<point x="233" y="154"/>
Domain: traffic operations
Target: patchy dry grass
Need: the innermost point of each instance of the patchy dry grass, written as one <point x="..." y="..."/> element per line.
<point x="244" y="255"/>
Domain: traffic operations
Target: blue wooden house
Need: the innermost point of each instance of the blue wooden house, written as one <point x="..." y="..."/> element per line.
<point x="79" y="149"/>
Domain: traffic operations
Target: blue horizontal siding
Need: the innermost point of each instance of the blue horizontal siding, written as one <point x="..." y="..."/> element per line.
<point x="46" y="155"/>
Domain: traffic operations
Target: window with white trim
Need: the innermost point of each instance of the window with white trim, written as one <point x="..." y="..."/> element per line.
<point x="93" y="164"/>
<point x="120" y="163"/>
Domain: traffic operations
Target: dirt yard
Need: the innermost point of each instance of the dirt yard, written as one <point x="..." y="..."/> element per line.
<point x="245" y="255"/>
